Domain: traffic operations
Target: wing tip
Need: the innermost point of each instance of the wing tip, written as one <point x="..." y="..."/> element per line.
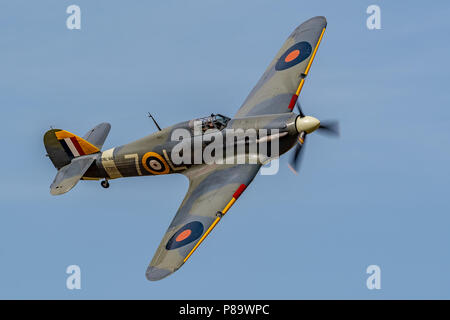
<point x="155" y="274"/>
<point x="319" y="21"/>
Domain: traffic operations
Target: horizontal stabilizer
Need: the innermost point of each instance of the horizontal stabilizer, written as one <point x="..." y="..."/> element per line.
<point x="98" y="134"/>
<point x="69" y="175"/>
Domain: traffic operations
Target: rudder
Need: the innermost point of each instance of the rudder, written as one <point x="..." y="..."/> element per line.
<point x="62" y="146"/>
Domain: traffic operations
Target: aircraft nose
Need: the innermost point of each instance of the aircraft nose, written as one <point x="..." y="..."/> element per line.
<point x="307" y="124"/>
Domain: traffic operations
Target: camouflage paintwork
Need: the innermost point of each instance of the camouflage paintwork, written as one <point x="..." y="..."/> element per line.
<point x="273" y="92"/>
<point x="213" y="188"/>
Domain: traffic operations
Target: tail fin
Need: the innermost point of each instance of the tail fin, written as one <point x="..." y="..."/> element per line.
<point x="73" y="155"/>
<point x="63" y="146"/>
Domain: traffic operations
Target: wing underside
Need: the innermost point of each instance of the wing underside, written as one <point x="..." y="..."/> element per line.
<point x="213" y="189"/>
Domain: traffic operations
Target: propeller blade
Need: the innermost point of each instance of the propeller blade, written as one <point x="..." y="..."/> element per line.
<point x="299" y="108"/>
<point x="329" y="128"/>
<point x="297" y="156"/>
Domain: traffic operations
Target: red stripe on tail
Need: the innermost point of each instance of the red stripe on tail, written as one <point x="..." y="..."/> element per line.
<point x="77" y="146"/>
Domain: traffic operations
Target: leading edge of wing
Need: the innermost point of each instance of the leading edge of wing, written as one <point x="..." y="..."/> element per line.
<point x="213" y="189"/>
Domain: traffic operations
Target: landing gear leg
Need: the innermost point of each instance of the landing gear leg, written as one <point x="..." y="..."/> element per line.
<point x="105" y="184"/>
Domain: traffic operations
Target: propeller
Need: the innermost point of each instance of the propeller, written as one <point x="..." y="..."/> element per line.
<point x="296" y="157"/>
<point x="328" y="128"/>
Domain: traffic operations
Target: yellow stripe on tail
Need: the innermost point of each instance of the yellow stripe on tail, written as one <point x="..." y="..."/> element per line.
<point x="74" y="144"/>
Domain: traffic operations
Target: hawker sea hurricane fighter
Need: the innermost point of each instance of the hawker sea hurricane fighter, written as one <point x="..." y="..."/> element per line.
<point x="213" y="187"/>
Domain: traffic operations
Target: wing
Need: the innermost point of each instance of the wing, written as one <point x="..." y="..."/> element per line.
<point x="278" y="89"/>
<point x="213" y="189"/>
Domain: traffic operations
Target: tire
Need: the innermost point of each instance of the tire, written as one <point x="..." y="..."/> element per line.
<point x="105" y="184"/>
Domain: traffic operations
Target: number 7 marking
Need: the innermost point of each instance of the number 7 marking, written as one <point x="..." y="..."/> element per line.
<point x="136" y="160"/>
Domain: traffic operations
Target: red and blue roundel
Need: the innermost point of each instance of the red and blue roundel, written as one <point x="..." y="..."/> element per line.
<point x="188" y="233"/>
<point x="294" y="55"/>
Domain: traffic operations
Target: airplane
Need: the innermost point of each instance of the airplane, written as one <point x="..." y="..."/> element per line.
<point x="213" y="187"/>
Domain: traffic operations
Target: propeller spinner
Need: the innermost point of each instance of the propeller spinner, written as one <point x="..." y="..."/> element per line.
<point x="306" y="125"/>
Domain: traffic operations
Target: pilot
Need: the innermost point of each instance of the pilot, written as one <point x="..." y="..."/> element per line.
<point x="210" y="122"/>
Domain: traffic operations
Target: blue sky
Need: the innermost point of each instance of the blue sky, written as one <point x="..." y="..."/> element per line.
<point x="378" y="195"/>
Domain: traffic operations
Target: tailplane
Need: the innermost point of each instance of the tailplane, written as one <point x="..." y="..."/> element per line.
<point x="98" y="134"/>
<point x="62" y="146"/>
<point x="73" y="155"/>
<point x="69" y="175"/>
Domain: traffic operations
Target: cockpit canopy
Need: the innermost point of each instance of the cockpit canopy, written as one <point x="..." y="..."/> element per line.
<point x="214" y="121"/>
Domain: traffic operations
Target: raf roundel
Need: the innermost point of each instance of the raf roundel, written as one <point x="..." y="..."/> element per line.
<point x="294" y="55"/>
<point x="188" y="233"/>
<point x="154" y="163"/>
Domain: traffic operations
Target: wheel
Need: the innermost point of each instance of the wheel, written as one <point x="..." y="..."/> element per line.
<point x="105" y="184"/>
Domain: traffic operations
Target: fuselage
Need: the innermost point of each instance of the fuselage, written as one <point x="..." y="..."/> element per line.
<point x="159" y="153"/>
